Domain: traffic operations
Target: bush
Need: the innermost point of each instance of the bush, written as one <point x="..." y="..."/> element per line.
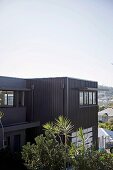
<point x="94" y="161"/>
<point x="106" y="125"/>
<point x="52" y="151"/>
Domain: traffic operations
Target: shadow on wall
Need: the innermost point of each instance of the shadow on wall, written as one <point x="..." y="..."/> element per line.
<point x="10" y="161"/>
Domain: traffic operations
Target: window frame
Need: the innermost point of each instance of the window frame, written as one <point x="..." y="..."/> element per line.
<point x="91" y="98"/>
<point x="6" y="98"/>
<point x="81" y="103"/>
<point x="94" y="98"/>
<point x="87" y="97"/>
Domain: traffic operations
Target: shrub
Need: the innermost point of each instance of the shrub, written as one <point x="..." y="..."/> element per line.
<point x="52" y="151"/>
<point x="94" y="161"/>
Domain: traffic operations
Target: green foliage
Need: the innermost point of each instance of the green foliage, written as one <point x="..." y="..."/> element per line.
<point x="95" y="161"/>
<point x="80" y="134"/>
<point x="106" y="126"/>
<point x="64" y="125"/>
<point x="48" y="152"/>
<point x="61" y="127"/>
<point x="105" y="115"/>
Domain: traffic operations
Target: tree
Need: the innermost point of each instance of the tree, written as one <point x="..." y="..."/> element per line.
<point x="49" y="152"/>
<point x="65" y="127"/>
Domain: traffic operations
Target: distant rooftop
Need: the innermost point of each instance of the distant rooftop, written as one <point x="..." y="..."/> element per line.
<point x="109" y="111"/>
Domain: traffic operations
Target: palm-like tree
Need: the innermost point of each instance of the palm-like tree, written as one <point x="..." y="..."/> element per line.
<point x="49" y="126"/>
<point x="65" y="127"/>
<point x="62" y="126"/>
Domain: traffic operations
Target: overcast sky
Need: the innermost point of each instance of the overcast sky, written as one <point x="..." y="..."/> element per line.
<point x="49" y="38"/>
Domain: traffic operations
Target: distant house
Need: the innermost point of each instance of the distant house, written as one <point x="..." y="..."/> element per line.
<point x="105" y="115"/>
<point x="105" y="133"/>
<point x="105" y="139"/>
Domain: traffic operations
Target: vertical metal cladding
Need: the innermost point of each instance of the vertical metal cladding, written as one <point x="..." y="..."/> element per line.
<point x="83" y="116"/>
<point x="60" y="96"/>
<point x="48" y="98"/>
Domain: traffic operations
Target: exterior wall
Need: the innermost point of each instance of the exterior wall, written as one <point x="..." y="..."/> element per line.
<point x="60" y="96"/>
<point x="48" y="99"/>
<point x="82" y="116"/>
<point x="13" y="115"/>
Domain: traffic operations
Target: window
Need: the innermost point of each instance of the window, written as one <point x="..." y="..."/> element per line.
<point x="87" y="97"/>
<point x="94" y="97"/>
<point x="6" y="98"/>
<point x="90" y="98"/>
<point x="81" y="98"/>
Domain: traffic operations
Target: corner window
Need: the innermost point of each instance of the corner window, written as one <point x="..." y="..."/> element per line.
<point x="87" y="97"/>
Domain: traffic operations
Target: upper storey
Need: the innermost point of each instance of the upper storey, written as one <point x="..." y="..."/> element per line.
<point x="12" y="95"/>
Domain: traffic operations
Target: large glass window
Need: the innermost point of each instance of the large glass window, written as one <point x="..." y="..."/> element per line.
<point x="6" y="98"/>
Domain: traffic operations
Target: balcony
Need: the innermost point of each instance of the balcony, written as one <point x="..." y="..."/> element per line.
<point x="13" y="115"/>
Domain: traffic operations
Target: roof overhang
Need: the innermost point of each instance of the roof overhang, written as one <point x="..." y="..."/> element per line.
<point x="13" y="89"/>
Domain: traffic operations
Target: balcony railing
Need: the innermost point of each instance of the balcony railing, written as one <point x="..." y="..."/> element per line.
<point x="13" y="115"/>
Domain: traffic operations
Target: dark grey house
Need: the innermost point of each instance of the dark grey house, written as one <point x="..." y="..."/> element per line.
<point x="29" y="103"/>
<point x="12" y="103"/>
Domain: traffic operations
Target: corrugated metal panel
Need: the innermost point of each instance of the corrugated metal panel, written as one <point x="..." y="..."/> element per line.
<point x="54" y="97"/>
